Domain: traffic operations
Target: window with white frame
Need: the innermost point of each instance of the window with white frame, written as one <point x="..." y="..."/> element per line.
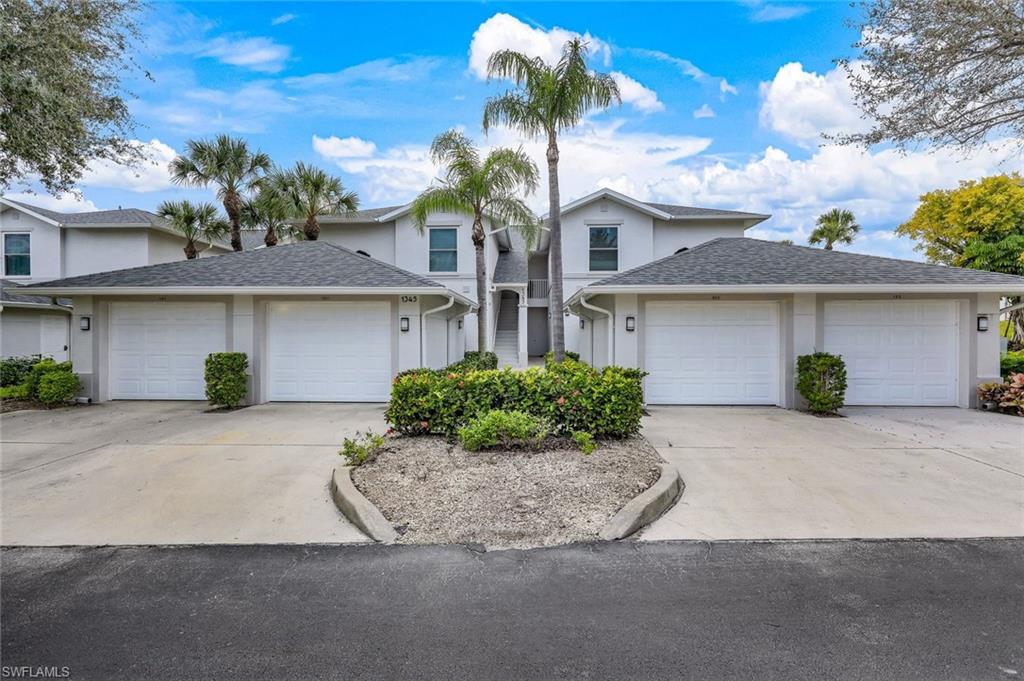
<point x="604" y="249"/>
<point x="17" y="255"/>
<point x="444" y="249"/>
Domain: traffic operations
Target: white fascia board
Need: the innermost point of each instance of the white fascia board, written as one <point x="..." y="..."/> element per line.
<point x="615" y="196"/>
<point x="396" y="213"/>
<point x="246" y="290"/>
<point x="35" y="306"/>
<point x="802" y="288"/>
<point x="28" y="211"/>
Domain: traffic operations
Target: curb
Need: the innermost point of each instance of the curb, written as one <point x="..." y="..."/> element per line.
<point x="646" y="507"/>
<point x="358" y="509"/>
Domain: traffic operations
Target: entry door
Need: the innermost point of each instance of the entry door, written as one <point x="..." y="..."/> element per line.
<point x="53" y="338"/>
<point x="897" y="352"/>
<point x="329" y="352"/>
<point x="158" y="350"/>
<point x="711" y="352"/>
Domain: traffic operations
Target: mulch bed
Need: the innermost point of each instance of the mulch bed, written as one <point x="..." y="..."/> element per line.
<point x="434" y="492"/>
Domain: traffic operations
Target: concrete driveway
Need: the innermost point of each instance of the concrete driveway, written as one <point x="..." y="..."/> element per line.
<point x="768" y="473"/>
<point x="170" y="473"/>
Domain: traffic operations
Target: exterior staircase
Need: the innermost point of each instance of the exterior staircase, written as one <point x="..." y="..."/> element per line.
<point x="506" y="336"/>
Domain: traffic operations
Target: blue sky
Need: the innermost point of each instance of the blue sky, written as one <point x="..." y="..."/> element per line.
<point x="724" y="103"/>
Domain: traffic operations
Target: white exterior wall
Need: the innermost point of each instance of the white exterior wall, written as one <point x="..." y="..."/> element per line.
<point x="669" y="237"/>
<point x="44" y="245"/>
<point x="169" y="248"/>
<point x="375" y="238"/>
<point x="102" y="250"/>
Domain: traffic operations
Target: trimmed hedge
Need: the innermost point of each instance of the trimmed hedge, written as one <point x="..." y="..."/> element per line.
<point x="821" y="380"/>
<point x="226" y="384"/>
<point x="570" y="397"/>
<point x="505" y="429"/>
<point x="14" y="370"/>
<point x="57" y="388"/>
<point x="41" y="369"/>
<point x="475" y="361"/>
<point x="549" y="357"/>
<point x="1012" y="363"/>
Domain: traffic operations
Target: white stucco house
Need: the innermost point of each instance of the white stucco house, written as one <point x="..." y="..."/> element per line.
<point x="39" y="245"/>
<point x="714" y="317"/>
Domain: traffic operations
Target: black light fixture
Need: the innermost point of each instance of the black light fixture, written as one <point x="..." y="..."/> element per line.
<point x="403" y="324"/>
<point x="582" y="324"/>
<point x="630" y="323"/>
<point x="983" y="322"/>
<point x="85" y="323"/>
<point x="460" y="322"/>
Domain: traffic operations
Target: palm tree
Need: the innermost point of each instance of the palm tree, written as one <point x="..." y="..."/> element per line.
<point x="269" y="211"/>
<point x="227" y="163"/>
<point x="546" y="101"/>
<point x="311" y="192"/>
<point x="195" y="222"/>
<point x="834" y="227"/>
<point x="479" y="188"/>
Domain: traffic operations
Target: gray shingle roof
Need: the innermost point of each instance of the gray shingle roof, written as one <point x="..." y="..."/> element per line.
<point x="692" y="211"/>
<point x="750" y="262"/>
<point x="363" y="215"/>
<point x="121" y="216"/>
<point x="305" y="263"/>
<point x="513" y="265"/>
<point x="8" y="295"/>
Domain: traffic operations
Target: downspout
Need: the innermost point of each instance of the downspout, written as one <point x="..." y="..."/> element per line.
<point x="611" y="326"/>
<point x="423" y="327"/>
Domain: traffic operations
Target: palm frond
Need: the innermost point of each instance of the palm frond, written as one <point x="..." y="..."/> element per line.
<point x="444" y="199"/>
<point x="514" y="212"/>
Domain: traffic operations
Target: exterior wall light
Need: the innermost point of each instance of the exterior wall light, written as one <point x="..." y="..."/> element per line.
<point x="983" y="322"/>
<point x="403" y="324"/>
<point x="85" y="323"/>
<point x="460" y="323"/>
<point x="582" y="323"/>
<point x="630" y="323"/>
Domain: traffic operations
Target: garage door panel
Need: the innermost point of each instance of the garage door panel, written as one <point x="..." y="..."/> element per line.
<point x="329" y="352"/>
<point x="158" y="349"/>
<point x="900" y="353"/>
<point x="711" y="353"/>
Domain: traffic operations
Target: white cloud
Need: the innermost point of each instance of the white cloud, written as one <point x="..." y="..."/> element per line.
<point x="64" y="203"/>
<point x="768" y="12"/>
<point x="198" y="111"/>
<point x="638" y="96"/>
<point x="704" y="111"/>
<point x="283" y="19"/>
<point x="802" y="105"/>
<point x="256" y="54"/>
<point x="688" y="68"/>
<point x="343" y="147"/>
<point x="504" y="31"/>
<point x="377" y="70"/>
<point x="149" y="175"/>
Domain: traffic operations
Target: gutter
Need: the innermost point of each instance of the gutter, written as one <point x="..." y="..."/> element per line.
<point x="70" y="291"/>
<point x="423" y="327"/>
<point x="611" y="326"/>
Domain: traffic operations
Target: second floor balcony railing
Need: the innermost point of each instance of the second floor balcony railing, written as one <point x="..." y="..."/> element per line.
<point x="537" y="289"/>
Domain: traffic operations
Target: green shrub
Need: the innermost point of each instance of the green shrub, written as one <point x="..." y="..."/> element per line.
<point x="821" y="380"/>
<point x="40" y="369"/>
<point x="1012" y="363"/>
<point x="15" y="370"/>
<point x="475" y="361"/>
<point x="57" y="387"/>
<point x="360" y="450"/>
<point x="585" y="441"/>
<point x="14" y="392"/>
<point x="549" y="357"/>
<point x="569" y="397"/>
<point x="505" y="429"/>
<point x="226" y="383"/>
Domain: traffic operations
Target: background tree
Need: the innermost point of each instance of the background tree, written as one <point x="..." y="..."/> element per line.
<point x="979" y="225"/>
<point x="834" y="227"/>
<point x="61" y="101"/>
<point x="269" y="212"/>
<point x="939" y="71"/>
<point x="546" y="101"/>
<point x="311" y="192"/>
<point x="490" y="187"/>
<point x="230" y="165"/>
<point x="195" y="222"/>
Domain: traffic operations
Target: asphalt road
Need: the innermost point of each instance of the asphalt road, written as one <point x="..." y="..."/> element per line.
<point x="814" y="610"/>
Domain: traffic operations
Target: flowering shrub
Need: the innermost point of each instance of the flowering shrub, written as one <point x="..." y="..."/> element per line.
<point x="1008" y="397"/>
<point x="569" y="396"/>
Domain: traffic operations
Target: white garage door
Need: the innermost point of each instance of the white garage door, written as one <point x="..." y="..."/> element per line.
<point x="711" y="353"/>
<point x="897" y="352"/>
<point x="158" y="350"/>
<point x="329" y="352"/>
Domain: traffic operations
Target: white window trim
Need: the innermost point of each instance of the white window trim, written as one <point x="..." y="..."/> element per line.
<point x="618" y="245"/>
<point x="3" y="255"/>
<point x="454" y="228"/>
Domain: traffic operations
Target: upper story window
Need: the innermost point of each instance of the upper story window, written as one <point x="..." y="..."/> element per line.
<point x="604" y="249"/>
<point x="17" y="255"/>
<point x="444" y="250"/>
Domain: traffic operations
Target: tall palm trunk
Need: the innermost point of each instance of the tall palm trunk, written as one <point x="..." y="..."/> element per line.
<point x="481" y="283"/>
<point x="190" y="250"/>
<point x="233" y="207"/>
<point x="555" y="301"/>
<point x="311" y="228"/>
<point x="828" y="245"/>
<point x="270" y="238"/>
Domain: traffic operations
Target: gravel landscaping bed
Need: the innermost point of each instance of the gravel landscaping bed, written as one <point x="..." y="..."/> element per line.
<point x="435" y="492"/>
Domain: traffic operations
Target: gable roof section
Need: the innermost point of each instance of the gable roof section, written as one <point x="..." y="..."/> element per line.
<point x="122" y="217"/>
<point x="513" y="265"/>
<point x="753" y="263"/>
<point x="663" y="211"/>
<point x="10" y="297"/>
<point x="301" y="265"/>
<point x="364" y="215"/>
